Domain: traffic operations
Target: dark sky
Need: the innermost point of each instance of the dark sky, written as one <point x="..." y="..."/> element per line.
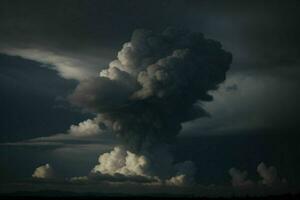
<point x="48" y="47"/>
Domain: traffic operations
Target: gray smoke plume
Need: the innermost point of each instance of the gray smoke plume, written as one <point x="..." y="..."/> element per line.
<point x="153" y="85"/>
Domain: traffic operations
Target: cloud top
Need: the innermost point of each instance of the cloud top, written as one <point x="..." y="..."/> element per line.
<point x="153" y="84"/>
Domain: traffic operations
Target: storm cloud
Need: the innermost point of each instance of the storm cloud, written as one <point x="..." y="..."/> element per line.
<point x="153" y="85"/>
<point x="148" y="92"/>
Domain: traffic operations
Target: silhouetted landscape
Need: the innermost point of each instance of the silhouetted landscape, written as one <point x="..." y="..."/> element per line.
<point x="72" y="195"/>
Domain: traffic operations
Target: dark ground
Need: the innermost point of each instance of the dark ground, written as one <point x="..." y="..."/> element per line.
<point x="70" y="195"/>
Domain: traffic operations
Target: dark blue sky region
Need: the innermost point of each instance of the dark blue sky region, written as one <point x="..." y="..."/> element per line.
<point x="32" y="102"/>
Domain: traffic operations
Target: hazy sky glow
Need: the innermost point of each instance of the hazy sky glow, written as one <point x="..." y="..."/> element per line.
<point x="143" y="97"/>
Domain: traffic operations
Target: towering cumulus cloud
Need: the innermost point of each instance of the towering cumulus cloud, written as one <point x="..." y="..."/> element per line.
<point x="152" y="87"/>
<point x="269" y="175"/>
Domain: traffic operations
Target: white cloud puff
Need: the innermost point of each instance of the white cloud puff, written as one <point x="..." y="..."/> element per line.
<point x="127" y="164"/>
<point x="269" y="175"/>
<point x="239" y="178"/>
<point x="85" y="128"/>
<point x="44" y="172"/>
<point x="120" y="161"/>
<point x="178" y="180"/>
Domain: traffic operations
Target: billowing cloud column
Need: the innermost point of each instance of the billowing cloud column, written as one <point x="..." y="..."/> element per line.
<point x="150" y="89"/>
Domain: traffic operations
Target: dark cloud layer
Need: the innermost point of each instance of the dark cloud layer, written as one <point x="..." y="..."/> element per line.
<point x="80" y="25"/>
<point x="261" y="34"/>
<point x="265" y="29"/>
